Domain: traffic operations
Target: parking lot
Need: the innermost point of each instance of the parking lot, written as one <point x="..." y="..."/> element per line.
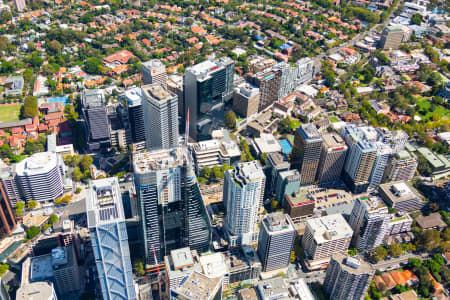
<point x="329" y="197"/>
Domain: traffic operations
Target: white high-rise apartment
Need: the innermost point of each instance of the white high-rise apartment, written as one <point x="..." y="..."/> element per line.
<point x="370" y="222"/>
<point x="401" y="167"/>
<point x="325" y="236"/>
<point x="384" y="153"/>
<point x="106" y="223"/>
<point x="360" y="158"/>
<point x="243" y="193"/>
<point x="154" y="71"/>
<point x="40" y="176"/>
<point x="160" y="117"/>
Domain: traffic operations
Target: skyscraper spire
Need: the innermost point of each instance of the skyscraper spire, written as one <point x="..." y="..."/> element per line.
<point x="186" y="138"/>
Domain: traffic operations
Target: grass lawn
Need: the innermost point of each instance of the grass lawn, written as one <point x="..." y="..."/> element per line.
<point x="425" y="104"/>
<point x="333" y="119"/>
<point x="9" y="113"/>
<point x="295" y="123"/>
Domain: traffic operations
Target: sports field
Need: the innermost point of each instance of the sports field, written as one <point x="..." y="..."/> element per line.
<point x="9" y="112"/>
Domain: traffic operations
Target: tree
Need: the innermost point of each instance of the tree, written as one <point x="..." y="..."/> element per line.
<point x="20" y="204"/>
<point x="55" y="47"/>
<point x="414" y="262"/>
<point x="205" y="172"/>
<point x="5" y="16"/>
<point x="285" y="126"/>
<point x="395" y="250"/>
<point x="58" y="201"/>
<point x="32" y="204"/>
<point x="230" y="119"/>
<point x="430" y="239"/>
<point x="292" y="259"/>
<point x="416" y="19"/>
<point x="53" y="219"/>
<point x="76" y="174"/>
<point x="217" y="172"/>
<point x="263" y="158"/>
<point x="379" y="254"/>
<point x="66" y="199"/>
<point x="32" y="232"/>
<point x="30" y="107"/>
<point x="3" y="269"/>
<point x="93" y="65"/>
<point x="19" y="212"/>
<point x="274" y="204"/>
<point x="139" y="267"/>
<point x="86" y="162"/>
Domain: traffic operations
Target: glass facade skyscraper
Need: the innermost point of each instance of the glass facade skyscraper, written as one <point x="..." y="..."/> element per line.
<point x="106" y="223"/>
<point x="171" y="206"/>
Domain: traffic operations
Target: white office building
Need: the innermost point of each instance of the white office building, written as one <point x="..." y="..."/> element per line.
<point x="154" y="71"/>
<point x="324" y="236"/>
<point x="243" y="193"/>
<point x="384" y="153"/>
<point x="40" y="176"/>
<point x="160" y="108"/>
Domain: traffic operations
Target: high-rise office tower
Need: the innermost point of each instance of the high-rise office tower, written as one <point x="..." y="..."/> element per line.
<point x="332" y="158"/>
<point x="360" y="159"/>
<point x="370" y="223"/>
<point x="276" y="162"/>
<point x="161" y="114"/>
<point x="7" y="219"/>
<point x="40" y="176"/>
<point x="288" y="76"/>
<point x="401" y="167"/>
<point x="9" y="183"/>
<point x="306" y="70"/>
<point x="243" y="193"/>
<point x="106" y="223"/>
<point x="136" y="114"/>
<point x="268" y="82"/>
<point x="96" y="119"/>
<point x="392" y="37"/>
<point x="325" y="236"/>
<point x="384" y="153"/>
<point x="154" y="71"/>
<point x="276" y="239"/>
<point x="171" y="206"/>
<point x="175" y="85"/>
<point x="347" y="277"/>
<point x="287" y="183"/>
<point x="246" y="100"/>
<point x="306" y="152"/>
<point x="207" y="87"/>
<point x="20" y="5"/>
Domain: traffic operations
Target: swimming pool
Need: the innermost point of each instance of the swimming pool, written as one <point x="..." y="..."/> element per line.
<point x="64" y="100"/>
<point x="286" y="146"/>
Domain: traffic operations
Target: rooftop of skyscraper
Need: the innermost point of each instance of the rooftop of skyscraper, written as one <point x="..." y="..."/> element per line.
<point x="332" y="140"/>
<point x="373" y="203"/>
<point x="248" y="171"/>
<point x="104" y="202"/>
<point x="247" y="90"/>
<point x="36" y="290"/>
<point x="157" y="160"/>
<point x="206" y="67"/>
<point x="331" y="227"/>
<point x="353" y="265"/>
<point x="153" y="63"/>
<point x="93" y="98"/>
<point x="299" y="198"/>
<point x="277" y="222"/>
<point x="200" y="287"/>
<point x="309" y="132"/>
<point x="38" y="163"/>
<point x="133" y="96"/>
<point x="157" y="92"/>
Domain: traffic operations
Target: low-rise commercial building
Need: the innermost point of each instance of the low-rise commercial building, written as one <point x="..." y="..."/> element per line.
<point x="299" y="205"/>
<point x="401" y="196"/>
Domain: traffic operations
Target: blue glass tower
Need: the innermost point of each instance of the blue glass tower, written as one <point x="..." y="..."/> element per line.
<point x="106" y="222"/>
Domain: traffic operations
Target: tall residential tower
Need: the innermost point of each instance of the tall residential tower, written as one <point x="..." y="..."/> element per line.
<point x="243" y="193"/>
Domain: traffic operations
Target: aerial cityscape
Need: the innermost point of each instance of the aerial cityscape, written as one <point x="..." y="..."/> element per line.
<point x="224" y="149"/>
